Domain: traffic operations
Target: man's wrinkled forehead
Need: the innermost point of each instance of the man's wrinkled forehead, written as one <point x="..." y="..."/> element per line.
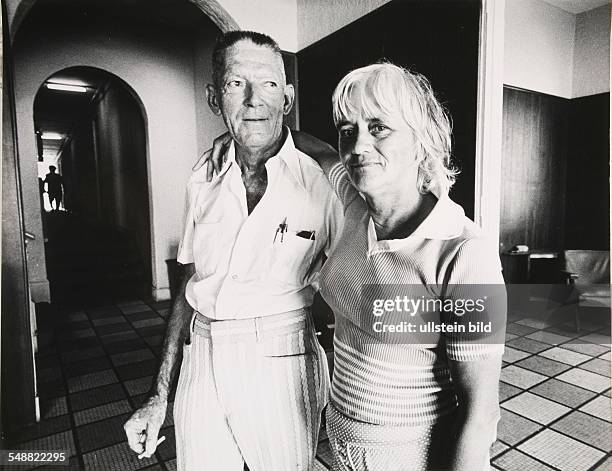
<point x="247" y="53"/>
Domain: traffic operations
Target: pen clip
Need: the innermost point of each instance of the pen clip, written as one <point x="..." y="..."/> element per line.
<point x="282" y="228"/>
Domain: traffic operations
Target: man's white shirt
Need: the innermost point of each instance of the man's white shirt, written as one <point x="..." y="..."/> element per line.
<point x="264" y="263"/>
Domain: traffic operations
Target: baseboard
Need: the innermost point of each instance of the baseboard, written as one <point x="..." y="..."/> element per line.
<point x="161" y="294"/>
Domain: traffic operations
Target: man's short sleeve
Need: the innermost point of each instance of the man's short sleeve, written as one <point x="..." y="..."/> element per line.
<point x="341" y="184"/>
<point x="185" y="250"/>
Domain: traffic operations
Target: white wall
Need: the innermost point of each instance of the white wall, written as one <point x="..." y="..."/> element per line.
<point x="276" y="18"/>
<point x="319" y="18"/>
<point x="539" y="47"/>
<point x="159" y="66"/>
<point x="592" y="52"/>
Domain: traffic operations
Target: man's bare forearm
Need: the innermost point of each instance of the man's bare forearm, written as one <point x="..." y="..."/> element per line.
<point x="176" y="333"/>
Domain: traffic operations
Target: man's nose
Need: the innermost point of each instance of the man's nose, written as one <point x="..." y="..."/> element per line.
<point x="252" y="95"/>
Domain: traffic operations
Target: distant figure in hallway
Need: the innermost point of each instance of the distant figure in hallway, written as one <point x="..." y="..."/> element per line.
<point x="54" y="187"/>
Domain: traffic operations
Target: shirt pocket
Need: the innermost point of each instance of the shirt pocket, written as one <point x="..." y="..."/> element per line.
<point x="207" y="239"/>
<point x="290" y="259"/>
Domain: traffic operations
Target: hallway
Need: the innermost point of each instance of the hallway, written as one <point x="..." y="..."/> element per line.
<point x="95" y="366"/>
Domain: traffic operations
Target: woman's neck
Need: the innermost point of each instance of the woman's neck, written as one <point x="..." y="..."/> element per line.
<point x="396" y="215"/>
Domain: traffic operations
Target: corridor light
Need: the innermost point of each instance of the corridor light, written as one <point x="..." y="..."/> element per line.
<point x="52" y="136"/>
<point x="66" y="88"/>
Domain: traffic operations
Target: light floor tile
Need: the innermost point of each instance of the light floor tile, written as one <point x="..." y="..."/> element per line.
<point x="514" y="460"/>
<point x="561" y="451"/>
<point x="548" y="337"/>
<point x="585" y="379"/>
<point x="597" y="338"/>
<point x="512" y="354"/>
<point x="600" y="407"/>
<point x="535" y="323"/>
<point x="535" y="408"/>
<point x="597" y="365"/>
<point x="521" y="377"/>
<point x="565" y="356"/>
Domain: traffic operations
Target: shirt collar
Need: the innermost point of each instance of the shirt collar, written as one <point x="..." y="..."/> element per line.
<point x="444" y="222"/>
<point x="287" y="155"/>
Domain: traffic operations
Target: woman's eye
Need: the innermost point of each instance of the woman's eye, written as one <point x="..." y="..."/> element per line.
<point x="378" y="128"/>
<point x="346" y="132"/>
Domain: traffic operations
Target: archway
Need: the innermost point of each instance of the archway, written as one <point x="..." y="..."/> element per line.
<point x="91" y="126"/>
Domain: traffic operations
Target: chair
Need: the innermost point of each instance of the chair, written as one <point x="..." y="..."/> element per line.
<point x="587" y="273"/>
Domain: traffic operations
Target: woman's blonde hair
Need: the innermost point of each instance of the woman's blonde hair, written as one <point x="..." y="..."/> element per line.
<point x="387" y="88"/>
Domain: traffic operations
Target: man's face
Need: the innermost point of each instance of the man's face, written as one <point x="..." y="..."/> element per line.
<point x="252" y="95"/>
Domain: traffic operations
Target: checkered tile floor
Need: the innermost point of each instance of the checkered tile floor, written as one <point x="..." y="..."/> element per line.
<point x="95" y="366"/>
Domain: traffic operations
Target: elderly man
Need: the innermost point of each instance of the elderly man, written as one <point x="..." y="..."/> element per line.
<point x="253" y="378"/>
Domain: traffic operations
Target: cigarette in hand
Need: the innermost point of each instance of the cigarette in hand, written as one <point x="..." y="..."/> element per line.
<point x="159" y="440"/>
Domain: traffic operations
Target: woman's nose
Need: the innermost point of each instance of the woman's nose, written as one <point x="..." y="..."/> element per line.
<point x="363" y="143"/>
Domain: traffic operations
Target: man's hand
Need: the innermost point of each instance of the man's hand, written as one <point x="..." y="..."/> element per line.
<point x="143" y="427"/>
<point x="218" y="155"/>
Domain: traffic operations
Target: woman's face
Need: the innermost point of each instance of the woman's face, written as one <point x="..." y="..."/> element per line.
<point x="378" y="152"/>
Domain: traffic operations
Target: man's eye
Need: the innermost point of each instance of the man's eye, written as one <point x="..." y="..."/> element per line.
<point x="271" y="84"/>
<point x="346" y="132"/>
<point x="234" y="84"/>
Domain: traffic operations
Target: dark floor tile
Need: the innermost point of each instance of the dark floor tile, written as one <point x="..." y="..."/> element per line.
<point x="48" y="361"/>
<point x="154" y="341"/>
<point x="53" y="407"/>
<point x="73" y="465"/>
<point x="513" y="428"/>
<point x="133" y="356"/>
<point x="117" y="457"/>
<point x="83" y="354"/>
<point x="77" y="344"/>
<point x="528" y="345"/>
<point x="563" y="393"/>
<point x="87" y="366"/>
<point x="588" y="429"/>
<point x="95" y="397"/>
<point x="46" y="427"/>
<point x="125" y="346"/>
<point x="112" y="328"/>
<point x="136" y="370"/>
<point x="167" y="449"/>
<point x="57" y="441"/>
<point x="506" y="391"/>
<point x="52" y="388"/>
<point x="138" y="316"/>
<point x="80" y="325"/>
<point x="519" y="329"/>
<point x="152" y="330"/>
<point x="597" y="365"/>
<point x="102" y="433"/>
<point x="119" y="337"/>
<point x="543" y="365"/>
<point x="103" y="312"/>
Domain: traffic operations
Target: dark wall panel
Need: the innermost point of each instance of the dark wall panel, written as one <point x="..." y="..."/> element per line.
<point x="535" y="141"/>
<point x="438" y="39"/>
<point x="588" y="184"/>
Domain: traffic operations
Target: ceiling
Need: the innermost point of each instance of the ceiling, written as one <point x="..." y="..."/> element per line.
<point x="577" y="6"/>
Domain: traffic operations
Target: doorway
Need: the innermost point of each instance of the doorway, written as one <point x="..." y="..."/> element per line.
<point x="94" y="187"/>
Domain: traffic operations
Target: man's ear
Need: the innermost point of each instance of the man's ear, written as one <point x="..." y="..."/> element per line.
<point x="213" y="99"/>
<point x="289" y="97"/>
